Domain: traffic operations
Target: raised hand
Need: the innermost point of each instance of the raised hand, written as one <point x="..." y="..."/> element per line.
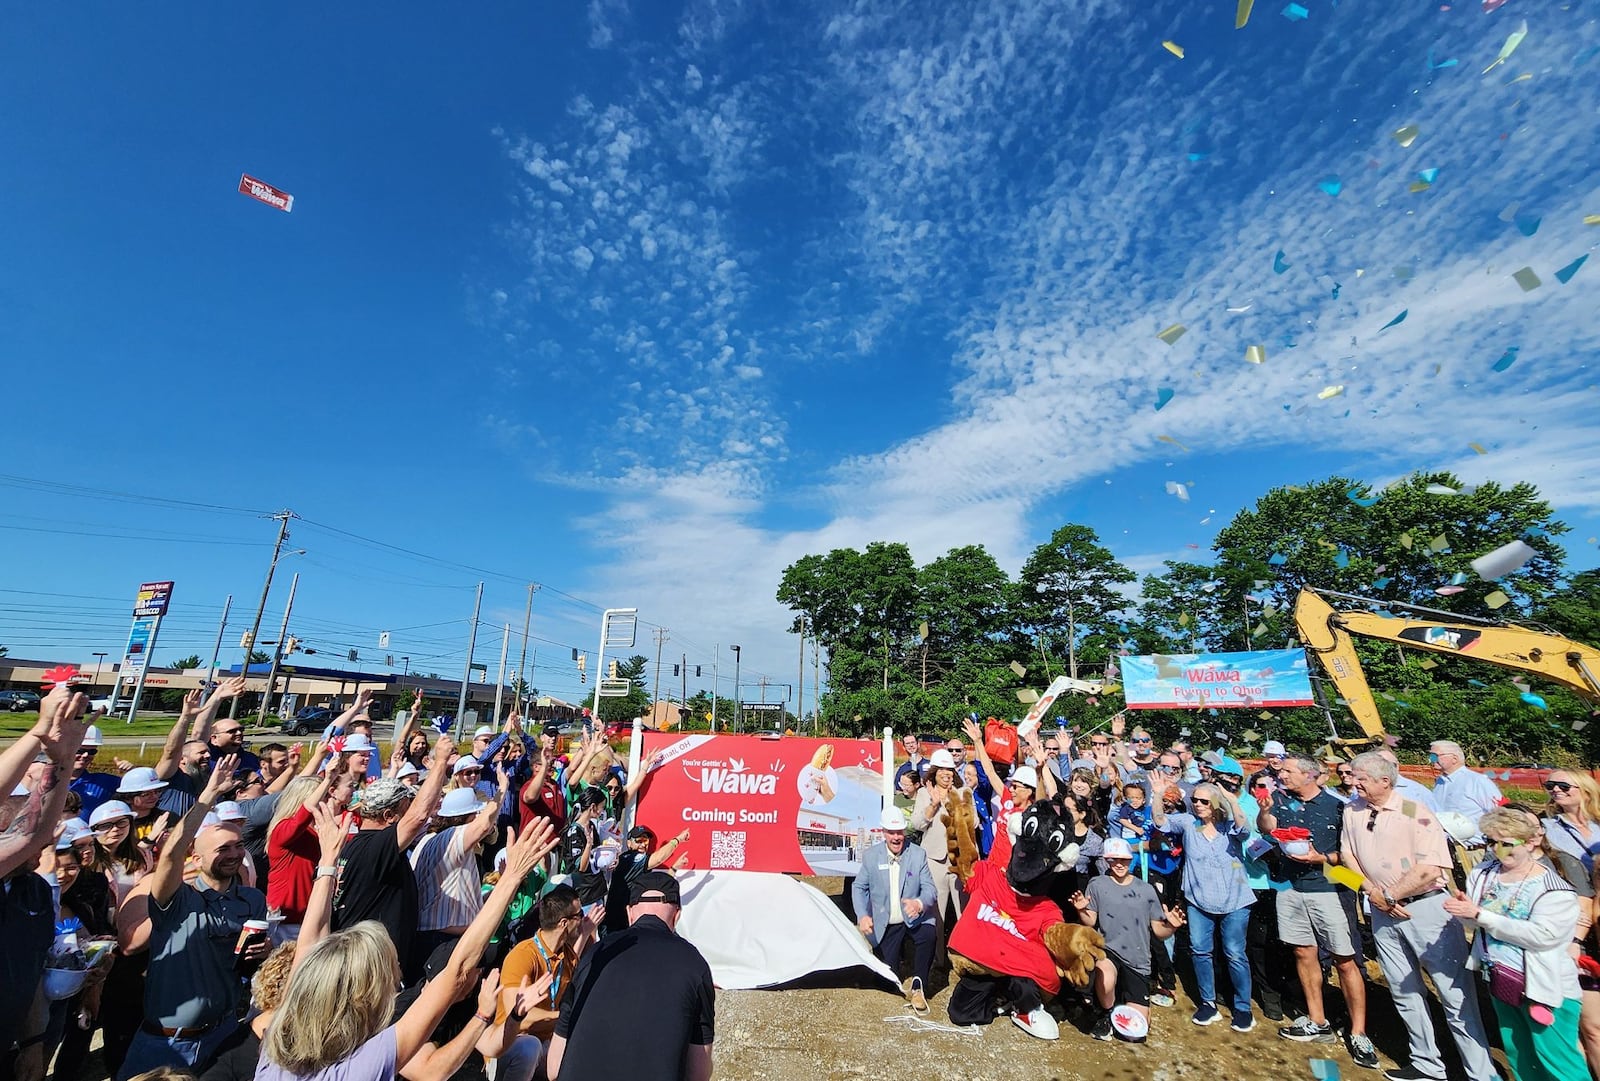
<point x="974" y="733"/>
<point x="538" y="840"/>
<point x="61" y="724"/>
<point x="1079" y="901"/>
<point x="230" y="688"/>
<point x="1175" y="916"/>
<point x="443" y="748"/>
<point x="121" y="765"/>
<point x="332" y="832"/>
<point x="192" y="702"/>
<point x="488" y="992"/>
<point x="221" y="782"/>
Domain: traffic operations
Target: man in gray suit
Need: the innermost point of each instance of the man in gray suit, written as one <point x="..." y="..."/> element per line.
<point x="894" y="898"/>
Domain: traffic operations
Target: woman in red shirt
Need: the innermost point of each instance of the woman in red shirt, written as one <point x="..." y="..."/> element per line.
<point x="293" y="848"/>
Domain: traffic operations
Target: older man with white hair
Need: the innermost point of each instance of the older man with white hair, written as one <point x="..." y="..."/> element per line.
<point x="893" y="898"/>
<point x="1457" y="788"/>
<point x="1401" y="850"/>
<point x="1412" y="790"/>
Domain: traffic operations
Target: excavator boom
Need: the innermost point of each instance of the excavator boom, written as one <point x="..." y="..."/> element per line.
<point x="1327" y="632"/>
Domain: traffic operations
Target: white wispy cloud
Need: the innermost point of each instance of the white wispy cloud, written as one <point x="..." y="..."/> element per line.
<point x="1017" y="178"/>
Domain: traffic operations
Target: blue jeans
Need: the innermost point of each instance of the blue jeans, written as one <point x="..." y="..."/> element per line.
<point x="148" y="1051"/>
<point x="1202" y="935"/>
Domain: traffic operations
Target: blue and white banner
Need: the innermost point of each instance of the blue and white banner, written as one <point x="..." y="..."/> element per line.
<point x="1269" y="678"/>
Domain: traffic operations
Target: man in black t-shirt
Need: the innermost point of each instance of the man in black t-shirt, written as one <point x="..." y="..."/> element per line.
<point x="375" y="877"/>
<point x="641" y="855"/>
<point x="652" y="978"/>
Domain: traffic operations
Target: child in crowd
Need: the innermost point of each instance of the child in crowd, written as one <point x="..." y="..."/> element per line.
<point x="1127" y="912"/>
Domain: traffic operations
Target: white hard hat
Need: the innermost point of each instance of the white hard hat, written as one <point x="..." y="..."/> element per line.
<point x="893" y="819"/>
<point x="91" y="736"/>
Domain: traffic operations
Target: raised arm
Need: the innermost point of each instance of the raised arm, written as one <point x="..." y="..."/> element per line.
<point x="636" y="782"/>
<point x="205" y="714"/>
<point x="61" y="715"/>
<point x="60" y="722"/>
<point x="1048" y="786"/>
<point x="427" y="801"/>
<point x="667" y="848"/>
<point x="168" y="875"/>
<point x="333" y="830"/>
<point x="481" y="828"/>
<point x="985" y="763"/>
<point x="413" y="722"/>
<point x="172" y="749"/>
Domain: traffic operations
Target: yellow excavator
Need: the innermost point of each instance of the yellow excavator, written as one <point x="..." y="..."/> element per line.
<point x="1327" y="633"/>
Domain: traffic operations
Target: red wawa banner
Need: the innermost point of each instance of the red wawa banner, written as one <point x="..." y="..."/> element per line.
<point x="800" y="806"/>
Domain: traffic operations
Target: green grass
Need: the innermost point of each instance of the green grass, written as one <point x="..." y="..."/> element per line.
<point x="146" y="726"/>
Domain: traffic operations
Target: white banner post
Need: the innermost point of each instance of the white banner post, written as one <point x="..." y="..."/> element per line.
<point x="888" y="767"/>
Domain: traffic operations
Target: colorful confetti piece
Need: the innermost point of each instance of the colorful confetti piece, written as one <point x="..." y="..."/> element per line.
<point x="1509" y="47"/>
<point x="1406" y="542"/>
<point x="1477" y="448"/>
<point x="1242" y="15"/>
<point x="1432" y="66"/>
<point x="1382" y="583"/>
<point x="1407" y="135"/>
<point x="1255" y="354"/>
<point x="1163" y="396"/>
<point x="1527" y="279"/>
<point x="1497" y="600"/>
<point x="1174" y="48"/>
<point x="1441" y="489"/>
<point x="1591" y="219"/>
<point x="1295" y="13"/>
<point x="1179" y="490"/>
<point x="1331" y="392"/>
<point x="1428" y="176"/>
<point x="1361" y="500"/>
<point x="1507" y="359"/>
<point x="1331" y="185"/>
<point x="1396" y="321"/>
<point x="1564" y="275"/>
<point x="1418" y="185"/>
<point x="1173" y="333"/>
<point x="1277" y="559"/>
<point x="1279" y="263"/>
<point x="1527" y="224"/>
<point x="1533" y="700"/>
<point x="1450" y="591"/>
<point x="1174" y="442"/>
<point x="1439" y="543"/>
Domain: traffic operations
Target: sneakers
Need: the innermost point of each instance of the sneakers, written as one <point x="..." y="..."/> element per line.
<point x="1243" y="1021"/>
<point x="1304" y="1030"/>
<point x="915" y="998"/>
<point x="1102" y="1028"/>
<point x="1207" y="1014"/>
<point x="1161" y="998"/>
<point x="1038" y="1022"/>
<point x="1364" y="1054"/>
<point x="1406" y="1073"/>
<point x="1272" y="1013"/>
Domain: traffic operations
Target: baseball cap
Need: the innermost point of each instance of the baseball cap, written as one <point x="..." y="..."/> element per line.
<point x="91" y="736"/>
<point x="1116" y="848"/>
<point x="463" y="764"/>
<point x="942" y="759"/>
<point x="1272" y="747"/>
<point x="654" y="886"/>
<point x="109" y="811"/>
<point x="140" y="779"/>
<point x="382" y="794"/>
<point x="893" y="818"/>
<point x="228" y="811"/>
<point x="639" y="833"/>
<point x="481" y="731"/>
<point x="1026" y="775"/>
<point x="459" y="801"/>
<point x="552" y="730"/>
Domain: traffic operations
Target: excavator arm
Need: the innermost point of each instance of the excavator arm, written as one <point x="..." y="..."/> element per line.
<point x="1327" y="632"/>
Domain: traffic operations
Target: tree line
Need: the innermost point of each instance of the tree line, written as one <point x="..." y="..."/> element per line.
<point x="920" y="647"/>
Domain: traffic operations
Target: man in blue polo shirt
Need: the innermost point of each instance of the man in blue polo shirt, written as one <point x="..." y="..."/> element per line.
<point x="93" y="789"/>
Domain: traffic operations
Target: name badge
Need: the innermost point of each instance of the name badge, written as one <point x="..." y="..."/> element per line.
<point x="883" y="866"/>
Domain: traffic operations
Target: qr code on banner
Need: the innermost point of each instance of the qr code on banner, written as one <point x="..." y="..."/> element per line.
<point x="727" y="849"/>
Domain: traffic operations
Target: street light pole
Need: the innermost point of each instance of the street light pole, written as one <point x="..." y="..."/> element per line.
<point x="738" y="704"/>
<point x="98" y="657"/>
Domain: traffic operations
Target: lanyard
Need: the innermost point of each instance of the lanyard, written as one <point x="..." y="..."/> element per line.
<point x="555" y="981"/>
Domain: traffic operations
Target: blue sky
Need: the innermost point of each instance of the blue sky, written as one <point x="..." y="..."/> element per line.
<point x="645" y="301"/>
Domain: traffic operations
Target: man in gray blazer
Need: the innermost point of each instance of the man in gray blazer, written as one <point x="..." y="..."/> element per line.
<point x="894" y="898"/>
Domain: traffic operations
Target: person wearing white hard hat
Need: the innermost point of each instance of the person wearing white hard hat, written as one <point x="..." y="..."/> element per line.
<point x="893" y="898"/>
<point x="928" y="816"/>
<point x="92" y="788"/>
<point x="141" y="790"/>
<point x="449" y="886"/>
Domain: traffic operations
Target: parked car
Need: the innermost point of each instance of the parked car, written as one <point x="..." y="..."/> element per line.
<point x="19" y="701"/>
<point x="309" y="719"/>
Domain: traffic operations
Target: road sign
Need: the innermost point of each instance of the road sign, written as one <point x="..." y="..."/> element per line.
<point x="152" y="600"/>
<point x="137" y="654"/>
<point x="763" y="707"/>
<point x="621" y="626"/>
<point x="615" y="688"/>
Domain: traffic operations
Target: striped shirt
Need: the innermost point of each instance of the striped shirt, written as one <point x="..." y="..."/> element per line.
<point x="449" y="887"/>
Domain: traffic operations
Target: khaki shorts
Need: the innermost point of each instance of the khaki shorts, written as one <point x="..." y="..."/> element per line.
<point x="1314" y="919"/>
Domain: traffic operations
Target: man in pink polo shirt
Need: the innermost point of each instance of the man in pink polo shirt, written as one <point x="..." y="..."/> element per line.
<point x="1401" y="849"/>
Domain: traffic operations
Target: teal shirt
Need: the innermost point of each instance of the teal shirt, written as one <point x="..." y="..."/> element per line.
<point x="1254" y="869"/>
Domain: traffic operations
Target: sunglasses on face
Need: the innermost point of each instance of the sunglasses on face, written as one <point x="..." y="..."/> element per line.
<point x="1140" y="739"/>
<point x="1197" y="800"/>
<point x="1508" y="845"/>
<point x="1557" y="786"/>
<point x="1226" y="783"/>
<point x="1277" y="757"/>
<point x="226" y="731"/>
<point x="88" y="752"/>
<point x="1164" y="768"/>
<point x="1099" y="743"/>
<point x="107" y="827"/>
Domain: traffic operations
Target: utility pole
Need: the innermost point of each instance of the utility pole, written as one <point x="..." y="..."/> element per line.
<point x="216" y="649"/>
<point x="655" y="694"/>
<point x="277" y="652"/>
<point x="282" y="518"/>
<point x="527" y="625"/>
<point x="500" y="683"/>
<point x="800" y="701"/>
<point x="816" y="683"/>
<point x="683" y="699"/>
<point x="466" y="674"/>
<point x="716" y="684"/>
<point x="763" y="690"/>
<point x="738" y="706"/>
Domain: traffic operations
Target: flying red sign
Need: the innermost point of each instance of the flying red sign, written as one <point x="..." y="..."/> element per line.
<point x="261" y="191"/>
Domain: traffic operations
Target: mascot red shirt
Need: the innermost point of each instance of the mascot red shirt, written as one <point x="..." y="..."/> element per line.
<point x="1004" y="930"/>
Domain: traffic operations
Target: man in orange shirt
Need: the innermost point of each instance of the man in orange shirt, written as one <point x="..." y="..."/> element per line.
<point x="1401" y="849"/>
<point x="553" y="949"/>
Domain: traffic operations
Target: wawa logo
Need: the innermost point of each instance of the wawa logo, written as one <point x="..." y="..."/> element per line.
<point x="989" y="914"/>
<point x="731" y="776"/>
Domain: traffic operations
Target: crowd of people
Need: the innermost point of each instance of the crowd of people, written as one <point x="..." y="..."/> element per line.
<point x="1265" y="882"/>
<point x="292" y="913"/>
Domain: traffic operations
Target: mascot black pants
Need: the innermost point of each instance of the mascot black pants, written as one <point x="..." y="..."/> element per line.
<point x="977" y="1000"/>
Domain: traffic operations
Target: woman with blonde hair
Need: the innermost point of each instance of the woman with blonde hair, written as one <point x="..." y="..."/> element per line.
<point x="817" y="781"/>
<point x="1525" y="914"/>
<point x="1572" y="826"/>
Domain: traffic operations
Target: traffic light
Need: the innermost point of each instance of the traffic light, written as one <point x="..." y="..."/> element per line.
<point x="697" y="671"/>
<point x="583" y="665"/>
<point x="354" y="656"/>
<point x="611" y="672"/>
<point x="574" y="652"/>
<point x="674" y="669"/>
<point x="291" y="644"/>
<point x="247" y="639"/>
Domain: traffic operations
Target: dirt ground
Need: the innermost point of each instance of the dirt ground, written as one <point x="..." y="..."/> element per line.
<point x="811" y="1035"/>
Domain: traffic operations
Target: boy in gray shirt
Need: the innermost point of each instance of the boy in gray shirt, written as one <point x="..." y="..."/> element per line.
<point x="1126" y="910"/>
